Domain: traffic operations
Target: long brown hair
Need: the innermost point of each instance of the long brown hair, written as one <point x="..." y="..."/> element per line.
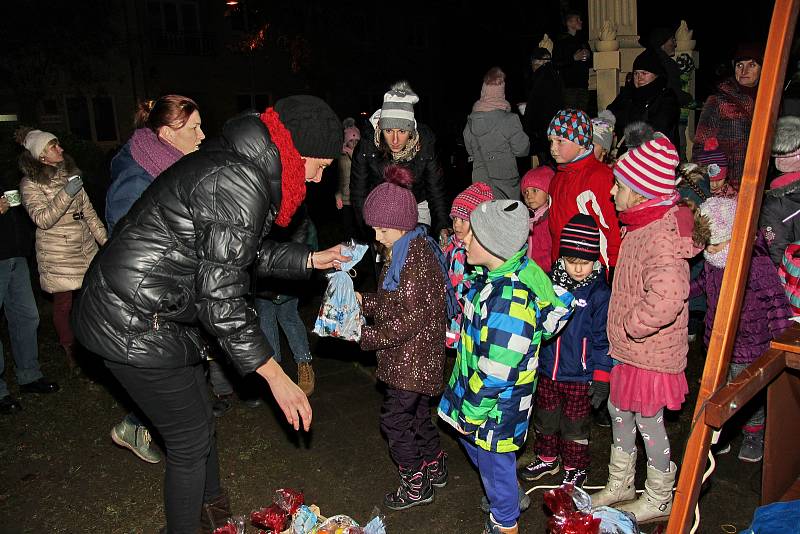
<point x="167" y="110"/>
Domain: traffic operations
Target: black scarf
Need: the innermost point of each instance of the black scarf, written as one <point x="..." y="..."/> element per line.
<point x="561" y="278"/>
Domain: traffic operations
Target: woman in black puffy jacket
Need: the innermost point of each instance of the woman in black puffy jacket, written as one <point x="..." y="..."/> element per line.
<point x="395" y="137"/>
<point x="181" y="261"/>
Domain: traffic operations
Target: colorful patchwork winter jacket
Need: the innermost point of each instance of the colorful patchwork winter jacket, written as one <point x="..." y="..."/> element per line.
<point x="507" y="313"/>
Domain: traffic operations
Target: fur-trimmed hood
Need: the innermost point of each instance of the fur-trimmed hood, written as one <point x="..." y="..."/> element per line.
<point x="785" y="185"/>
<point x="42" y="173"/>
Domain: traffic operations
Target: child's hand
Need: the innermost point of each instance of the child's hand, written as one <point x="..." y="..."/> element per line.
<point x="598" y="393"/>
<point x="359" y="298"/>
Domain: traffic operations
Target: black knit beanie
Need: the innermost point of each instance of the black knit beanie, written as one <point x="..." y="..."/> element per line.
<point x="315" y="128"/>
<point x="648" y="60"/>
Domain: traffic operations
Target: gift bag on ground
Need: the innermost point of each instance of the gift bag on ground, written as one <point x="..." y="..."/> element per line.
<point x="340" y="314"/>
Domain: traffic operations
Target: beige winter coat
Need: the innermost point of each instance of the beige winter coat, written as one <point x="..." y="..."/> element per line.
<point x="68" y="229"/>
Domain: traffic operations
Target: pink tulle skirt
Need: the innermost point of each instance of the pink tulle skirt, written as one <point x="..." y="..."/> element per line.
<point x="644" y="391"/>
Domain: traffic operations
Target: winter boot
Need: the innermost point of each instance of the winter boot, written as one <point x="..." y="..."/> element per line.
<point x="415" y="488"/>
<point x="493" y="528"/>
<point x="436" y="470"/>
<point x="655" y="503"/>
<point x="305" y="378"/>
<point x="619" y="488"/>
<point x="752" y="449"/>
<point x="215" y="514"/>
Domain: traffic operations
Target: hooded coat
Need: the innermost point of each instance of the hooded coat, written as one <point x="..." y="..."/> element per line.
<point x="181" y="259"/>
<point x="780" y="203"/>
<point x="494" y="139"/>
<point x="765" y="309"/>
<point x="654" y="103"/>
<point x="68" y="229"/>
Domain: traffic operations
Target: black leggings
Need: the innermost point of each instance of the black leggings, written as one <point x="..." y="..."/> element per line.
<point x="177" y="402"/>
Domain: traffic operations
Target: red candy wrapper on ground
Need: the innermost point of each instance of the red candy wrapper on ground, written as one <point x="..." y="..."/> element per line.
<point x="566" y="518"/>
<point x="289" y="500"/>
<point x="230" y="528"/>
<point x="273" y="518"/>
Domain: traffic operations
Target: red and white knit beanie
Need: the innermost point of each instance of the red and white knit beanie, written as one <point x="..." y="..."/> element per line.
<point x="469" y="198"/>
<point x="649" y="169"/>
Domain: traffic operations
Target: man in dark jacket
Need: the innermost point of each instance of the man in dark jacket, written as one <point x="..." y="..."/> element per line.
<point x="572" y="57"/>
<point x="545" y="98"/>
<point x="662" y="42"/>
<point x="16" y="296"/>
<point x="180" y="261"/>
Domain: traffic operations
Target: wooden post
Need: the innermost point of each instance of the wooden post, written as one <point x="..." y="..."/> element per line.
<point x="784" y="17"/>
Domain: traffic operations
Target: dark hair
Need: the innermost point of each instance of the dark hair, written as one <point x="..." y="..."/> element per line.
<point x="572" y="13"/>
<point x="167" y="110"/>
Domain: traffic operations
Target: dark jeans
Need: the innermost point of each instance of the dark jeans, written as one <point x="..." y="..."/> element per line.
<point x="406" y="423"/>
<point x="177" y="402"/>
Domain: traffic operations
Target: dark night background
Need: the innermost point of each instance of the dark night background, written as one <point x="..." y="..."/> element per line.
<point x="79" y="68"/>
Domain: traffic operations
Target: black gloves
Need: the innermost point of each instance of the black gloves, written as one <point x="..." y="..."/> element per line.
<point x="598" y="393"/>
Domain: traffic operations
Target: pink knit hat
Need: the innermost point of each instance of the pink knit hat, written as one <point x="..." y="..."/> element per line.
<point x="539" y="178"/>
<point x="469" y="198"/>
<point x="392" y="204"/>
<point x="649" y="169"/>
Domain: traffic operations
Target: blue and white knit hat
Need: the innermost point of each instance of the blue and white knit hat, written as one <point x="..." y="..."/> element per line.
<point x="398" y="108"/>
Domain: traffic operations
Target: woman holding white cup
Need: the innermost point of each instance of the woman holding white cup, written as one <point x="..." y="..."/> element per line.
<point x="68" y="229"/>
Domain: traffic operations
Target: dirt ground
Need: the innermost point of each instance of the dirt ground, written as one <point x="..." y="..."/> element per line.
<point x="60" y="472"/>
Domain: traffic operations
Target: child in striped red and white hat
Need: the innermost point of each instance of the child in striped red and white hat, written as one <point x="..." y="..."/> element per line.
<point x="648" y="320"/>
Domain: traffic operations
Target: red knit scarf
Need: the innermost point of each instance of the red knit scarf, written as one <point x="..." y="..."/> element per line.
<point x="651" y="210"/>
<point x="293" y="174"/>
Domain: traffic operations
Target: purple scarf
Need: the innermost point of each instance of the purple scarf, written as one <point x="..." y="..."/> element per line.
<point x="154" y="155"/>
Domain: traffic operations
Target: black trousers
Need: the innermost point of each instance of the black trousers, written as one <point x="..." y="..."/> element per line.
<point x="406" y="423"/>
<point x="177" y="402"/>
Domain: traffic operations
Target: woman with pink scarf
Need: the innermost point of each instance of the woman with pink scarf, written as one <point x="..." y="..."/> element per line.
<point x="494" y="138"/>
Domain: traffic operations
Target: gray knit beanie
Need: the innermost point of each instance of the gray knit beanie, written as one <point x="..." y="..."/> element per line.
<point x="500" y="226"/>
<point x="398" y="108"/>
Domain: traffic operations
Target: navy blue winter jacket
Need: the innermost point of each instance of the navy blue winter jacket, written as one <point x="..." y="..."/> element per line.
<point x="580" y="352"/>
<point x="130" y="181"/>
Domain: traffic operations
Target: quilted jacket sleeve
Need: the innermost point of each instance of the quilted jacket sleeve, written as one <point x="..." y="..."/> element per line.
<point x="601" y="361"/>
<point x="227" y="235"/>
<point x="95" y="225"/>
<point x="666" y="287"/>
<point x="44" y="212"/>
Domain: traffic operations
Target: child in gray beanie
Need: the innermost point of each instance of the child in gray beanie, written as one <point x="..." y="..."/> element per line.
<point x="603" y="136"/>
<point x="509" y="309"/>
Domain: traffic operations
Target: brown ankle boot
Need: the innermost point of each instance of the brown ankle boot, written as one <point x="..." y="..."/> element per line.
<point x="215" y="514"/>
<point x="72" y="362"/>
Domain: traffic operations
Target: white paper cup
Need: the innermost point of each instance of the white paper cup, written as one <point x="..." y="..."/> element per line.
<point x="13" y="197"/>
<point x="73" y="177"/>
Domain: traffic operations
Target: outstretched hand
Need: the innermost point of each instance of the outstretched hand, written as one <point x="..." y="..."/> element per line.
<point x="288" y="395"/>
<point x="325" y="259"/>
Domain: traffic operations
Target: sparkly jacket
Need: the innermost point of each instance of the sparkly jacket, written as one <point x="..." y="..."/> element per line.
<point x="408" y="330"/>
<point x="507" y="313"/>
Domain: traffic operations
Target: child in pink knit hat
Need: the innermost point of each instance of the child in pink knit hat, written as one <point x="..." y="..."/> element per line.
<point x="455" y="251"/>
<point x="409" y="313"/>
<point x="535" y="189"/>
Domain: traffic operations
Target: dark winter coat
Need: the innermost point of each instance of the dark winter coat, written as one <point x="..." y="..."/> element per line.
<point x="129" y="182"/>
<point x="580" y="352"/>
<point x="779" y="203"/>
<point x="180" y="260"/>
<point x="727" y="115"/>
<point x="673" y="72"/>
<point x="574" y="74"/>
<point x="15" y="225"/>
<point x="765" y="309"/>
<point x="654" y="103"/>
<point x="369" y="161"/>
<point x="545" y="99"/>
<point x="409" y="324"/>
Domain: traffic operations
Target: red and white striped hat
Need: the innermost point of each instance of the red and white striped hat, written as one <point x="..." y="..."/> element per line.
<point x="649" y="169"/>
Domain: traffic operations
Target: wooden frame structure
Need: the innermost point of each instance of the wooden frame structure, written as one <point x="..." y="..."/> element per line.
<point x="784" y="19"/>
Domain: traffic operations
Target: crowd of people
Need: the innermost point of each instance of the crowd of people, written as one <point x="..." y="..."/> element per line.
<point x="559" y="291"/>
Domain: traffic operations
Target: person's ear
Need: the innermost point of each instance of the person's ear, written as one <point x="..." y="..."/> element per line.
<point x="166" y="133"/>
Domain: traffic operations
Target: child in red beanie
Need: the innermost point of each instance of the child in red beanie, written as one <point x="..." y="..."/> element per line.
<point x="455" y="250"/>
<point x="409" y="315"/>
<point x="535" y="189"/>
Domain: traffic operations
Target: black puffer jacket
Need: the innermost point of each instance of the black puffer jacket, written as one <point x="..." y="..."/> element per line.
<point x="366" y="174"/>
<point x="180" y="259"/>
<point x="654" y="103"/>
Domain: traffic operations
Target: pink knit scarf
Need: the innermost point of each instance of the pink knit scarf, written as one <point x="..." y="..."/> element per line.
<point x="493" y="97"/>
<point x="151" y="153"/>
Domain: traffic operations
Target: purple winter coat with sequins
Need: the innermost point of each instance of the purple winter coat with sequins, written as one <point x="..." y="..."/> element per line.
<point x="765" y="310"/>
